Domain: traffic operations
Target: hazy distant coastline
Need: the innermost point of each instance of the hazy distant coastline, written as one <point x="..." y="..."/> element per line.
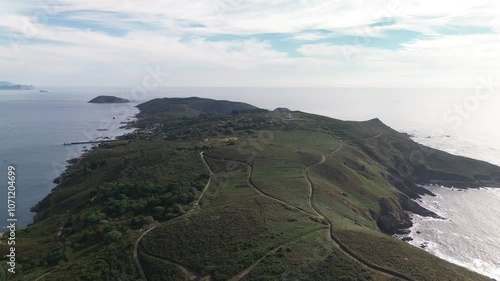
<point x="11" y="86"/>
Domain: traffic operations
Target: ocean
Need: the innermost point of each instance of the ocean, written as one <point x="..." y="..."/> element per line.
<point x="470" y="235"/>
<point x="34" y="126"/>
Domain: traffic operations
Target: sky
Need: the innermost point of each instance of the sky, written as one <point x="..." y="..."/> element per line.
<point x="250" y="43"/>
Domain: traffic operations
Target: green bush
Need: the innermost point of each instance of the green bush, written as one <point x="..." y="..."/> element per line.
<point x="108" y="229"/>
<point x="93" y="217"/>
<point x="158" y="210"/>
<point x="148" y="220"/>
<point x="113" y="236"/>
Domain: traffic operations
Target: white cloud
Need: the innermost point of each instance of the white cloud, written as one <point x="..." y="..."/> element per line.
<point x="178" y="41"/>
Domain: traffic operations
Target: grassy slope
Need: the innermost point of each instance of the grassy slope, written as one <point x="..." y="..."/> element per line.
<point x="258" y="228"/>
<point x="136" y="177"/>
<point x="346" y="193"/>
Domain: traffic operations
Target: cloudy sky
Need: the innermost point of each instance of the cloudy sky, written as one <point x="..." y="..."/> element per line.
<point x="360" y="43"/>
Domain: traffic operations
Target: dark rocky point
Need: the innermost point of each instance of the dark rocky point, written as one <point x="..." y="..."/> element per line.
<point x="57" y="180"/>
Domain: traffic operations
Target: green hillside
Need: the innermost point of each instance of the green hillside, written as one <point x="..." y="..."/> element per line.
<point x="192" y="106"/>
<point x="215" y="190"/>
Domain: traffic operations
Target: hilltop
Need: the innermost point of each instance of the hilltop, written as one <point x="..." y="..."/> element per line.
<point x="192" y="106"/>
<point x="227" y="191"/>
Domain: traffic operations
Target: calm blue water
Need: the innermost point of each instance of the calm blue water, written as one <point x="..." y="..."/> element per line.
<point x="33" y="127"/>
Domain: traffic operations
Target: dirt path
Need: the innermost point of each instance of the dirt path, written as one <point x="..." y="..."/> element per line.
<point x="250" y="182"/>
<point x="309" y="182"/>
<point x="338" y="243"/>
<point x="317" y="213"/>
<point x="191" y="274"/>
<point x="136" y="255"/>
<point x="43" y="276"/>
<point x="374" y="137"/>
<point x="196" y="205"/>
<point x="46" y="274"/>
<point x="247" y="270"/>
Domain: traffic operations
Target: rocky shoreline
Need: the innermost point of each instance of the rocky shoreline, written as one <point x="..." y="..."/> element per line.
<point x="459" y="238"/>
<point x="39" y="207"/>
<point x="414" y="208"/>
<point x="395" y="217"/>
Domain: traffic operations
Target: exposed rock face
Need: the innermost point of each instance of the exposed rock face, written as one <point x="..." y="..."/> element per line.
<point x="411" y="206"/>
<point x="407" y="186"/>
<point x="394" y="218"/>
<point x="394" y="215"/>
<point x="426" y="176"/>
<point x="57" y="180"/>
<point x="108" y="99"/>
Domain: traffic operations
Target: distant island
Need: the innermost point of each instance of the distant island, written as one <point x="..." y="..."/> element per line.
<point x="108" y="99"/>
<point x="11" y="86"/>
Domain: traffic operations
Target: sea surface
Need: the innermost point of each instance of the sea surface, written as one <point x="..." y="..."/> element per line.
<point x="34" y="126"/>
<point x="470" y="234"/>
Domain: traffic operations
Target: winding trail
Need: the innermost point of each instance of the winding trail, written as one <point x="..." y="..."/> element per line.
<point x="317" y="213"/>
<point x="43" y="276"/>
<point x="348" y="252"/>
<point x="247" y="270"/>
<point x="196" y="205"/>
<point x="309" y="182"/>
<point x="190" y="273"/>
<point x="136" y="255"/>
<point x="46" y="274"/>
<point x="374" y="137"/>
<point x="259" y="191"/>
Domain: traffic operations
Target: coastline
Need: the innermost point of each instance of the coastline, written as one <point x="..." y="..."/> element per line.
<point x="81" y="213"/>
<point x="467" y="237"/>
<point x="35" y="130"/>
<point x="428" y="232"/>
<point x="125" y="129"/>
